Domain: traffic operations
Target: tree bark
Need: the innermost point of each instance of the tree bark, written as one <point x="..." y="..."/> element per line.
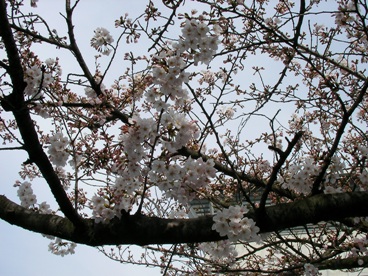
<point x="143" y="230"/>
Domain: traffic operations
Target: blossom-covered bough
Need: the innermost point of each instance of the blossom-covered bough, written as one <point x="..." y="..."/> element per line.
<point x="258" y="108"/>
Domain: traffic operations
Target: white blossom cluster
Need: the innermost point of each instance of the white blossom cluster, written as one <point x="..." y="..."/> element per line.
<point x="180" y="130"/>
<point x="36" y="79"/>
<point x="103" y="211"/>
<point x="310" y="270"/>
<point x="175" y="130"/>
<point x="363" y="150"/>
<point x="182" y="181"/>
<point x="336" y="169"/>
<point x="301" y="176"/>
<point x="273" y="21"/>
<point x="91" y="94"/>
<point x="127" y="184"/>
<point x="222" y="251"/>
<point x="178" y="214"/>
<point x="26" y="196"/>
<point x="101" y="41"/>
<point x="360" y="248"/>
<point x="227" y="112"/>
<point x="57" y="149"/>
<point x="343" y="17"/>
<point x="62" y="248"/>
<point x="44" y="208"/>
<point x="196" y="43"/>
<point x="133" y="141"/>
<point x="363" y="176"/>
<point x="197" y="40"/>
<point x="231" y="222"/>
<point x="170" y="80"/>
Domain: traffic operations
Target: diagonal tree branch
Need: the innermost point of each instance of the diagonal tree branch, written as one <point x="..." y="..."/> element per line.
<point x="338" y="137"/>
<point x="184" y="151"/>
<point x="273" y="177"/>
<point x="15" y="102"/>
<point x="14" y="68"/>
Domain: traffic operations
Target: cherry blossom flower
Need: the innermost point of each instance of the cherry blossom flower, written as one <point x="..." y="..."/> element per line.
<point x="26" y="196"/>
<point x="301" y="176"/>
<point x="102" y="40"/>
<point x="231" y="222"/>
<point x="222" y="251"/>
<point x="310" y="270"/>
<point x="62" y="248"/>
<point x="57" y="150"/>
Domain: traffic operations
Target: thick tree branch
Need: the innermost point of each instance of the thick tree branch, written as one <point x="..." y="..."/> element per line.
<point x="337" y="264"/>
<point x="143" y="230"/>
<point x="35" y="35"/>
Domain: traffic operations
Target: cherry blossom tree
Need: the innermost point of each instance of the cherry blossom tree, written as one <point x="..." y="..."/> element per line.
<point x="255" y="109"/>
